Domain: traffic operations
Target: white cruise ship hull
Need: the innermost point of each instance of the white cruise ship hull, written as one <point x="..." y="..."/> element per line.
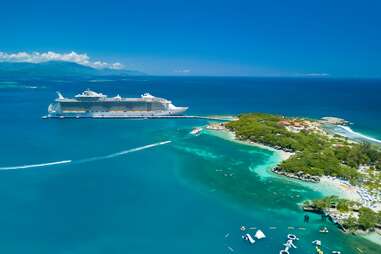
<point x="90" y="104"/>
<point x="129" y="114"/>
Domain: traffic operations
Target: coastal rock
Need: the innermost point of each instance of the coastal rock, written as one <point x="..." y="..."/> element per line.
<point x="315" y="178"/>
<point x="299" y="175"/>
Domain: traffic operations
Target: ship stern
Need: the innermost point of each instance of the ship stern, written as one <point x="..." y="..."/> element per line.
<point x="176" y="110"/>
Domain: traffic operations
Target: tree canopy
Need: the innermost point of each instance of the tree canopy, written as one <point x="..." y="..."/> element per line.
<point x="315" y="153"/>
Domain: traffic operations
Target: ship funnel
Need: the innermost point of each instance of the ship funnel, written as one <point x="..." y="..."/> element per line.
<point x="60" y="96"/>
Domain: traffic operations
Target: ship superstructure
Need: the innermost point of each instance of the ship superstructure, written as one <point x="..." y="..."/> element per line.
<point x="98" y="105"/>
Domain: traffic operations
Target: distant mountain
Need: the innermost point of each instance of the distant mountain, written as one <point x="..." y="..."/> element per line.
<point x="57" y="69"/>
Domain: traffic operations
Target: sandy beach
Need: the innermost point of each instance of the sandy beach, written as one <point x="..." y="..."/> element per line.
<point x="229" y="135"/>
<point x="332" y="186"/>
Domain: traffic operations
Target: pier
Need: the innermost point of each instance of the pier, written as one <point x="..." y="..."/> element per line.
<point x="222" y="118"/>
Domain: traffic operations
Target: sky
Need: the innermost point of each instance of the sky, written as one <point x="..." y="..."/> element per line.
<point x="214" y="38"/>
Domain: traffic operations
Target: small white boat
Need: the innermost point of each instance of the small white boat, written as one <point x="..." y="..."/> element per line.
<point x="249" y="238"/>
<point x="259" y="235"/>
<point x="196" y="131"/>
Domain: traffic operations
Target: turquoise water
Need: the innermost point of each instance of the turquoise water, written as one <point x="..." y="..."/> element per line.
<point x="189" y="196"/>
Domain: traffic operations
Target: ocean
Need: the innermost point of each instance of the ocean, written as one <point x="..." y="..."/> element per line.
<point x="143" y="186"/>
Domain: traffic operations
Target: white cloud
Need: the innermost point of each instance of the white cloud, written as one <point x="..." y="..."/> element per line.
<point x="37" y="57"/>
<point x="185" y="71"/>
<point x="314" y="74"/>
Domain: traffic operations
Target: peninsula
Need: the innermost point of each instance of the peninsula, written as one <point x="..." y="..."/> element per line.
<point x="316" y="154"/>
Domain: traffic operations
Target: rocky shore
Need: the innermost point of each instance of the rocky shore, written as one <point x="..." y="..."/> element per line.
<point x="349" y="216"/>
<point x="299" y="175"/>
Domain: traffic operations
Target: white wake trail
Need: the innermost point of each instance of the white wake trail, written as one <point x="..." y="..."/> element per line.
<point x="36" y="165"/>
<point x="109" y="156"/>
<point x="113" y="155"/>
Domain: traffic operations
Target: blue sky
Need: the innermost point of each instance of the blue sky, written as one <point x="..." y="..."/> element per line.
<point x="168" y="37"/>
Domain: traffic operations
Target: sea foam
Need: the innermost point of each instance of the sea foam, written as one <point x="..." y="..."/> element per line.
<point x="353" y="134"/>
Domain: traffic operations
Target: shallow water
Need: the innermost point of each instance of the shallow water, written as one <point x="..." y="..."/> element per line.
<point x="184" y="196"/>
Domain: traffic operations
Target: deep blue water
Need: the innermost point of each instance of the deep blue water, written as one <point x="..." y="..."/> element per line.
<point x="181" y="197"/>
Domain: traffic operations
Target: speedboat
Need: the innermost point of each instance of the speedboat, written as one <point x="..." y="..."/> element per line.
<point x="196" y="131"/>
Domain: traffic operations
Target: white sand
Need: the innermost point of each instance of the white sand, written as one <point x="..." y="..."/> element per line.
<point x="229" y="135"/>
<point x="331" y="186"/>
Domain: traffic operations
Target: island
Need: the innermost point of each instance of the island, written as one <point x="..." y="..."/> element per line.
<point x="312" y="153"/>
<point x="315" y="152"/>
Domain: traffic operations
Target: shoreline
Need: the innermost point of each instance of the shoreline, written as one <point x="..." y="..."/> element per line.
<point x="342" y="190"/>
<point x="230" y="136"/>
<point x="326" y="186"/>
<point x="357" y="135"/>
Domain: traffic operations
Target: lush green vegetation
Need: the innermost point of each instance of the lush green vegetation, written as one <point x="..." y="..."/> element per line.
<point x="361" y="217"/>
<point x="368" y="218"/>
<point x="342" y="205"/>
<point x="315" y="153"/>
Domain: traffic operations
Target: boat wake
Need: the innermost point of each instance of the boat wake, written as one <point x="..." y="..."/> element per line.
<point x="36" y="165"/>
<point x="105" y="157"/>
<point x="113" y="155"/>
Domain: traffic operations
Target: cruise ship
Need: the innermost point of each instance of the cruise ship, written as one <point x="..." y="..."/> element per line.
<point x="97" y="105"/>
